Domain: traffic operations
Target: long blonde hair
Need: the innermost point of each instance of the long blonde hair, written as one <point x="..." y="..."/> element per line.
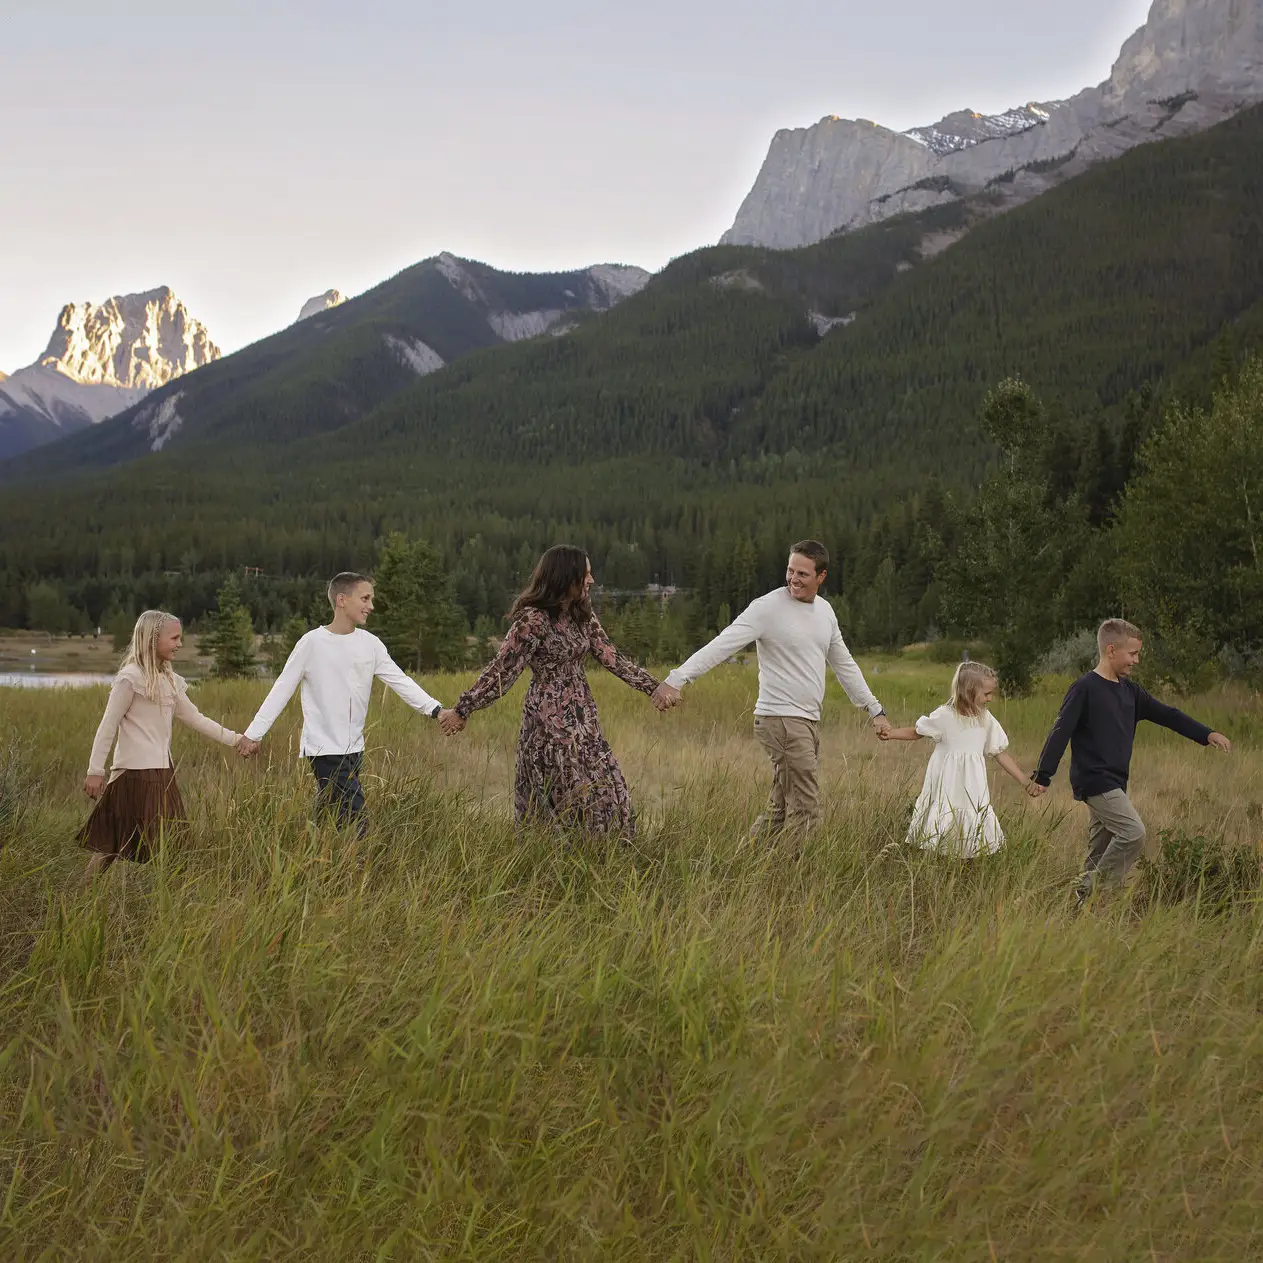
<point x="143" y="653"/>
<point x="968" y="683"/>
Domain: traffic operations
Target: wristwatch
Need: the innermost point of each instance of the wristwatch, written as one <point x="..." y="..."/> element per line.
<point x="438" y="706"/>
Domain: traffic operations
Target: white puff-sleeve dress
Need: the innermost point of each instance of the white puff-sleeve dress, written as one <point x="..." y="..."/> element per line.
<point x="953" y="813"/>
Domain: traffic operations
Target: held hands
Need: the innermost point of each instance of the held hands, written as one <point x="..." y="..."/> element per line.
<point x="1219" y="741"/>
<point x="665" y="696"/>
<point x="451" y="722"/>
<point x="1035" y="790"/>
<point x="881" y="727"/>
<point x="93" y="786"/>
<point x="246" y="747"/>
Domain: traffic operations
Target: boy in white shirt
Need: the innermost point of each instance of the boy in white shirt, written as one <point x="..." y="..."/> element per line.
<point x="336" y="666"/>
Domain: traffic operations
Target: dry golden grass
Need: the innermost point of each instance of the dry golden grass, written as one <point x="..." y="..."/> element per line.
<point x="452" y="1041"/>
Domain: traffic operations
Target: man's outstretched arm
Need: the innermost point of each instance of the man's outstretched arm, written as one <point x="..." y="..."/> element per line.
<point x="853" y="683"/>
<point x="740" y="632"/>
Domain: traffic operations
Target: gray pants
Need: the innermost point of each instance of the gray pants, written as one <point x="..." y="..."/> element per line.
<point x="1116" y="837"/>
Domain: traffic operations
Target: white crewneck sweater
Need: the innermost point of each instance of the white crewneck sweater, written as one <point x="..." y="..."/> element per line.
<point x="336" y="673"/>
<point x="795" y="641"/>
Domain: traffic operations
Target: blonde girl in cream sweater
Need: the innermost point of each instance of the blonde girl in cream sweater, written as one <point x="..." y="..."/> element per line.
<point x="141" y="797"/>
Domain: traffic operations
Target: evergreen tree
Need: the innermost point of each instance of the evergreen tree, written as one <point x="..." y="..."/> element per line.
<point x="1005" y="579"/>
<point x="230" y="643"/>
<point x="1190" y="534"/>
<point x="416" y="616"/>
<point x="118" y="624"/>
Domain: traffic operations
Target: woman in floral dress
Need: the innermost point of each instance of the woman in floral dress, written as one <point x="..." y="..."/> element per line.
<point x="566" y="772"/>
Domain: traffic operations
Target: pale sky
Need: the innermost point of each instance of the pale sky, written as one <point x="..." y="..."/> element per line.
<point x="253" y="153"/>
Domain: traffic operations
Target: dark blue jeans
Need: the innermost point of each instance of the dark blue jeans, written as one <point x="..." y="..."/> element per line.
<point x="338" y="791"/>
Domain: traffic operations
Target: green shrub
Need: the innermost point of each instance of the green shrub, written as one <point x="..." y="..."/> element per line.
<point x="1199" y="869"/>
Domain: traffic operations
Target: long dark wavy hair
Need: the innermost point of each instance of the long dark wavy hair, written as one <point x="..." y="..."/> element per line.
<point x="556" y="585"/>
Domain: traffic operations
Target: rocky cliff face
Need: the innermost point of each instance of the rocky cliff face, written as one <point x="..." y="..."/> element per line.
<point x="596" y="288"/>
<point x="137" y="341"/>
<point x="101" y="360"/>
<point x="1193" y="63"/>
<point x="322" y="302"/>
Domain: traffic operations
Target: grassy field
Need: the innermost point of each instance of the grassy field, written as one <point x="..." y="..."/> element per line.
<point x="451" y="1042"/>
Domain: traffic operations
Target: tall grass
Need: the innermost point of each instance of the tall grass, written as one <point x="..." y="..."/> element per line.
<point x="454" y="1041"/>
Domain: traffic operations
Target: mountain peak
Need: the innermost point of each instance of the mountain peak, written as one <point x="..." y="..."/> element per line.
<point x="136" y="341"/>
<point x="1192" y="64"/>
<point x="321" y="302"/>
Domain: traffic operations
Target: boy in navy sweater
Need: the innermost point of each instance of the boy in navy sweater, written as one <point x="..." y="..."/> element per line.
<point x="1098" y="719"/>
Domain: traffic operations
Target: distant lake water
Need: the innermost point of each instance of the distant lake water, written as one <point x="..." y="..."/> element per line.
<point x="52" y="679"/>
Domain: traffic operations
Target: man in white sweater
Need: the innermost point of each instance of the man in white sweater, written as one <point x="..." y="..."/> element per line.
<point x="796" y="634"/>
<point x="336" y="666"/>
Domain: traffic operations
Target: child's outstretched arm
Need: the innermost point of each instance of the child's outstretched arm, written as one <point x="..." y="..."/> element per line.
<point x="898" y="734"/>
<point x="121" y="693"/>
<point x="188" y="714"/>
<point x="1010" y="765"/>
<point x="1063" y="726"/>
<point x="386" y="669"/>
<point x="1156" y="712"/>
<point x="286" y="683"/>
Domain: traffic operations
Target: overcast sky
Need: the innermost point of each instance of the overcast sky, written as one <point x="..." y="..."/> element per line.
<point x="252" y="153"/>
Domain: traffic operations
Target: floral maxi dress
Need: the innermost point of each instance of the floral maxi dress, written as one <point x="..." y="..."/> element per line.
<point x="566" y="772"/>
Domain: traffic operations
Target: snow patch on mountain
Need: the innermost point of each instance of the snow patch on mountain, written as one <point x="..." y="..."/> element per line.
<point x="62" y="401"/>
<point x="516" y="326"/>
<point x="321" y="302"/>
<point x="967" y="128"/>
<point x="416" y="355"/>
<point x="160" y="420"/>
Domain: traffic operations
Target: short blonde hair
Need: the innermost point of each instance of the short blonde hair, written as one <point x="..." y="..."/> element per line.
<point x="344" y="584"/>
<point x="143" y="653"/>
<point x="968" y="683"/>
<point x="1116" y="630"/>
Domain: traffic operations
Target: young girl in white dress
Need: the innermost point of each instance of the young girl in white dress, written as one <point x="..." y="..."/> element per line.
<point x="953" y="813"/>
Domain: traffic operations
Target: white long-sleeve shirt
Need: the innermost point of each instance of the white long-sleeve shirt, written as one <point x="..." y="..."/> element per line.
<point x="336" y="673"/>
<point x="795" y="641"/>
<point x="140" y="729"/>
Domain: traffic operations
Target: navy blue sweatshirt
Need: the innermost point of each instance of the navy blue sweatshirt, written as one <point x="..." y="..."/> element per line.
<point x="1098" y="718"/>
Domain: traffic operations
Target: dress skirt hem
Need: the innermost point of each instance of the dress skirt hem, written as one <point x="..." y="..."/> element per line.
<point x="135" y="808"/>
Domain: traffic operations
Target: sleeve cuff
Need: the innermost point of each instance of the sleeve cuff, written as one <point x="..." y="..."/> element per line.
<point x="1041" y="778"/>
<point x="675" y="679"/>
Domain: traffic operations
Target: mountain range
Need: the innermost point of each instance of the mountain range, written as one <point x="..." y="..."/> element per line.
<point x="337" y="361"/>
<point x="681" y="426"/>
<point x="1192" y="64"/>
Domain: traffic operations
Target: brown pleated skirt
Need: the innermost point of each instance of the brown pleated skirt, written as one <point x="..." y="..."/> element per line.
<point x="133" y="810"/>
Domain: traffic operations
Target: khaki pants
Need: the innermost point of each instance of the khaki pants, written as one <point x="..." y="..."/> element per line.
<point x="1116" y="837"/>
<point x="793" y="745"/>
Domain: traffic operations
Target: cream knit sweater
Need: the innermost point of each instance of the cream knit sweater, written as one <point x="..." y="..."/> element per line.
<point x="140" y="730"/>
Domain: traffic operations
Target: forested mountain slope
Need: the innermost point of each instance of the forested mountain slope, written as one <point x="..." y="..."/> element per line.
<point x="333" y="367"/>
<point x="686" y="433"/>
